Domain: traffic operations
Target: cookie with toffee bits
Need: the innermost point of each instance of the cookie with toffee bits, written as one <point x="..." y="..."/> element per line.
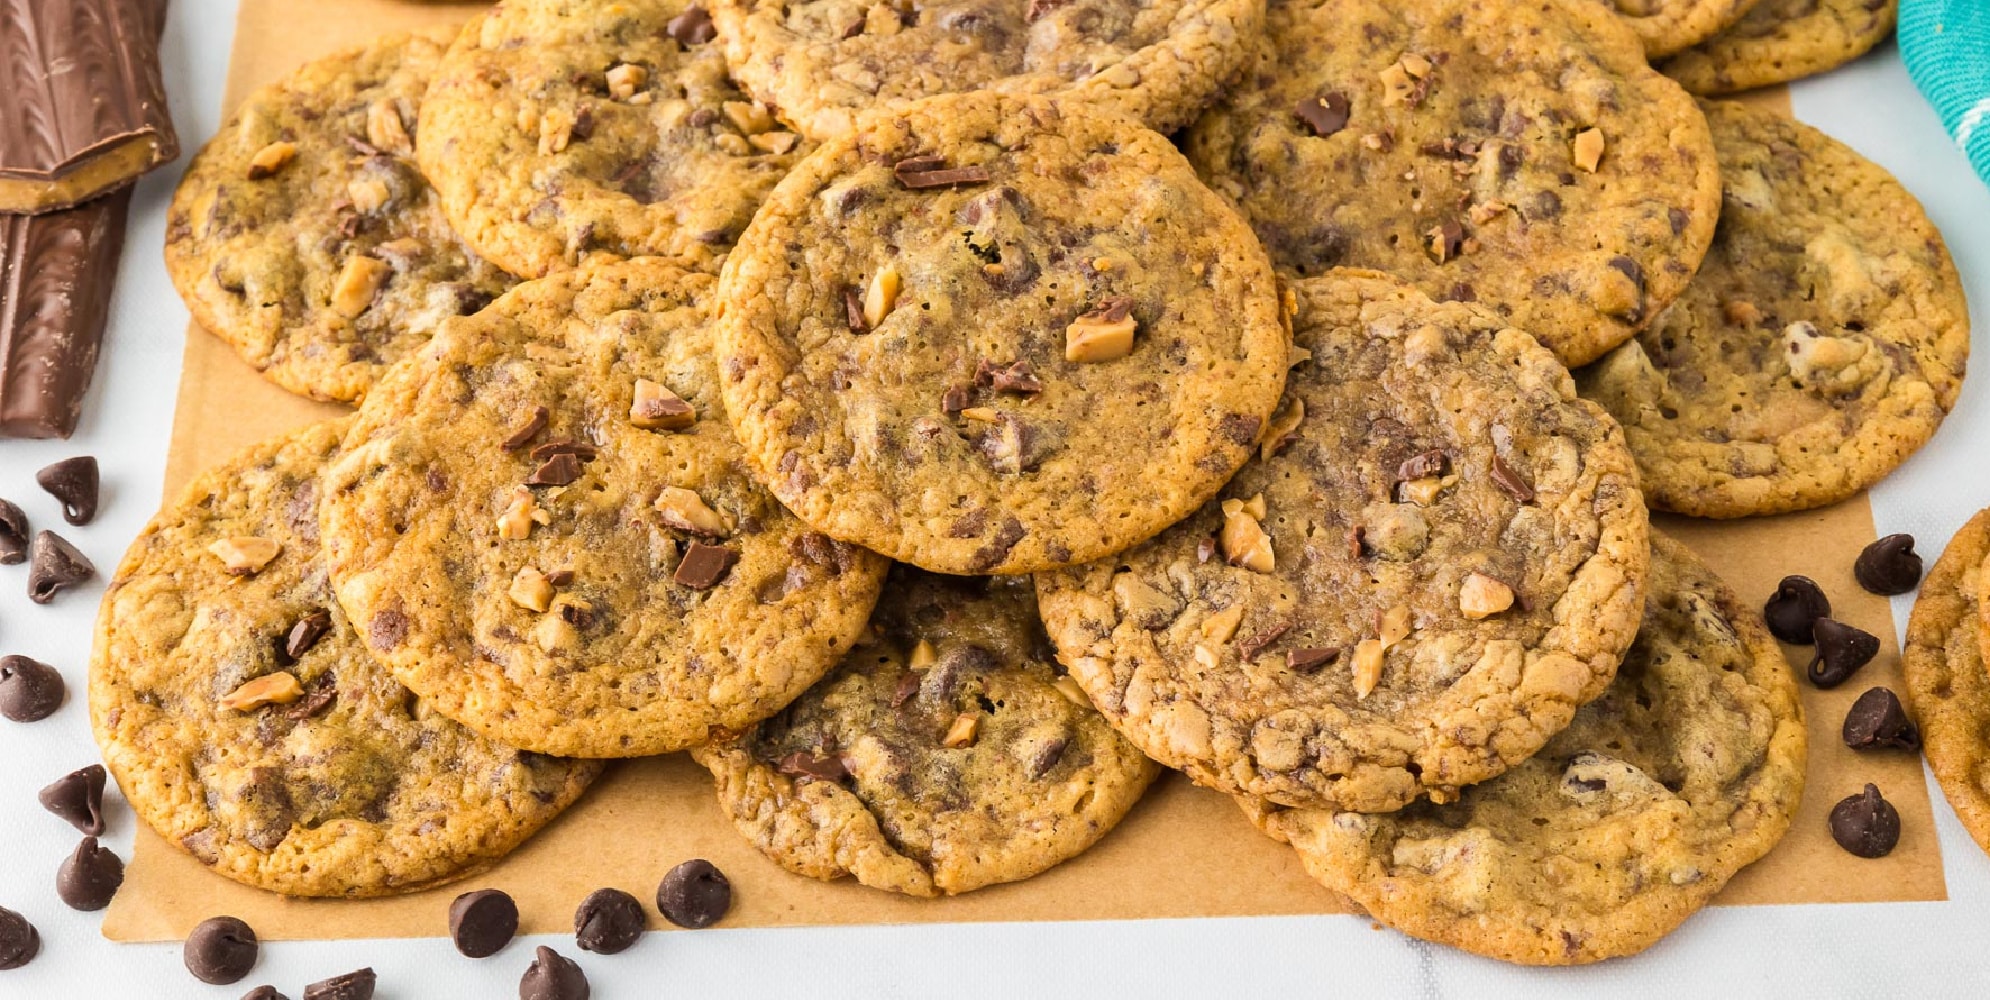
<point x="998" y="334"/>
<point x="1438" y="556"/>
<point x="247" y="724"/>
<point x="545" y="528"/>
<point x="1666" y="26"/>
<point x="1782" y="40"/>
<point x="1948" y="686"/>
<point x="305" y="237"/>
<point x="1822" y="342"/>
<point x="947" y="753"/>
<point x="1686" y="770"/>
<point x="559" y="130"/>
<point x="1518" y="155"/>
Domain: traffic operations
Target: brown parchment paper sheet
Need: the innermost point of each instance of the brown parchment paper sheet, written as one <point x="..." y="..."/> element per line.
<point x="1184" y="851"/>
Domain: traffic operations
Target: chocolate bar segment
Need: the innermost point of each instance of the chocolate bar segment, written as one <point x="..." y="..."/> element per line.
<point x="56" y="274"/>
<point x="84" y="110"/>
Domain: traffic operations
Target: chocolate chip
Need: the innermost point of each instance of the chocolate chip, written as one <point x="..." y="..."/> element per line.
<point x="1504" y="477"/>
<point x="306" y="633"/>
<point x="1796" y="604"/>
<point x="1430" y="463"/>
<point x="908" y="686"/>
<point x="1309" y="659"/>
<point x="695" y="894"/>
<point x="853" y="310"/>
<point x="30" y="690"/>
<point x="608" y="922"/>
<point x="1447" y="240"/>
<point x="323" y="693"/>
<point x="526" y="431"/>
<point x="1046" y="757"/>
<point x="357" y="985"/>
<point x="955" y="400"/>
<point x="89" y="878"/>
<point x="1325" y="114"/>
<point x="55" y="565"/>
<point x="921" y="172"/>
<point x="13" y="534"/>
<point x="1841" y="651"/>
<point x="1248" y="649"/>
<point x="580" y="450"/>
<point x="560" y="470"/>
<point x="1877" y="720"/>
<point x="1866" y="824"/>
<point x="703" y="566"/>
<point x="220" y="951"/>
<point x="78" y="797"/>
<point x="552" y="976"/>
<point x="1017" y="377"/>
<point x="693" y="27"/>
<point x="482" y="922"/>
<point x="19" y="941"/>
<point x="264" y="993"/>
<point x="1889" y="565"/>
<point x="74" y="482"/>
<point x="813" y="767"/>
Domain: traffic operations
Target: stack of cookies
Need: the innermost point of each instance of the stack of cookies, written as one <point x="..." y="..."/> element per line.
<point x="870" y="400"/>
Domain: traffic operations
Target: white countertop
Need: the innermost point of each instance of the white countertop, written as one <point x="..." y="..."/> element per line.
<point x="1921" y="950"/>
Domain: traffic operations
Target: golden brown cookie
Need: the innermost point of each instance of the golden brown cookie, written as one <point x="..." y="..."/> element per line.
<point x="545" y="528"/>
<point x="996" y="334"/>
<point x="246" y="723"/>
<point x="1438" y="556"/>
<point x="947" y="753"/>
<point x="1948" y="690"/>
<point x="1782" y="40"/>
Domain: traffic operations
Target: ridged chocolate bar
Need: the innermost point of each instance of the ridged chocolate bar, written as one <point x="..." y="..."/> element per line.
<point x="84" y="107"/>
<point x="56" y="274"/>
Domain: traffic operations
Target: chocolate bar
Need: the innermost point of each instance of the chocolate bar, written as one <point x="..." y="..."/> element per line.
<point x="85" y="107"/>
<point x="56" y="273"/>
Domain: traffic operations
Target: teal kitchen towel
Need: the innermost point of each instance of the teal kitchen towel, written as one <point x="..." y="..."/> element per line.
<point x="1946" y="44"/>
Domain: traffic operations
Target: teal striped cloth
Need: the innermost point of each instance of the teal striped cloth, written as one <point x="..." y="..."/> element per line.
<point x="1946" y="44"/>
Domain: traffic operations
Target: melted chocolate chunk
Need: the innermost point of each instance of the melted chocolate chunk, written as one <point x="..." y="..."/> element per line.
<point x="1325" y="114"/>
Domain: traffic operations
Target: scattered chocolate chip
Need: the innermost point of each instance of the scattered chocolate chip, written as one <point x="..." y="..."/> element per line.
<point x="908" y="686"/>
<point x="89" y="878"/>
<point x="1796" y="604"/>
<point x="1447" y="240"/>
<point x="482" y="922"/>
<point x="814" y="767"/>
<point x="560" y="470"/>
<point x="322" y="694"/>
<point x="703" y="566"/>
<point x="921" y="172"/>
<point x="356" y="985"/>
<point x="1866" y="824"/>
<point x="1111" y="310"/>
<point x="608" y="922"/>
<point x="13" y="534"/>
<point x="1878" y="720"/>
<point x="580" y="450"/>
<point x="560" y="577"/>
<point x="264" y="993"/>
<point x="220" y="951"/>
<point x="853" y="310"/>
<point x="30" y="690"/>
<point x="1325" y="114"/>
<point x="528" y="430"/>
<point x="552" y="976"/>
<point x="1504" y="477"/>
<point x="1248" y="649"/>
<point x="693" y="27"/>
<point x="19" y="941"/>
<point x="1889" y="566"/>
<point x="74" y="482"/>
<point x="1017" y="377"/>
<point x="78" y="797"/>
<point x="306" y="633"/>
<point x="695" y="894"/>
<point x="955" y="400"/>
<point x="55" y="565"/>
<point x="1046" y="757"/>
<point x="1841" y="651"/>
<point x="1422" y="466"/>
<point x="1309" y="659"/>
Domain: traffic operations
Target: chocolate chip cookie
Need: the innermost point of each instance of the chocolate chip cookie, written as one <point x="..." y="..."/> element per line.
<point x="1782" y="40"/>
<point x="1438" y="556"/>
<point x="1686" y="770"/>
<point x="559" y="130"/>
<point x="1821" y="344"/>
<point x="947" y="753"/>
<point x="1518" y="155"/>
<point x="304" y="235"/>
<point x="998" y="333"/>
<point x="1666" y="26"/>
<point x="1948" y="689"/>
<point x="246" y="723"/>
<point x="545" y="528"/>
<point x="824" y="62"/>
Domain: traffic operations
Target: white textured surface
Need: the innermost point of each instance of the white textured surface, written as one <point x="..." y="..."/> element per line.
<point x="1920" y="950"/>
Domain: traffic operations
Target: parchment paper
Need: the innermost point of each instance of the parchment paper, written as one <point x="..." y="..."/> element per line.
<point x="1184" y="851"/>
